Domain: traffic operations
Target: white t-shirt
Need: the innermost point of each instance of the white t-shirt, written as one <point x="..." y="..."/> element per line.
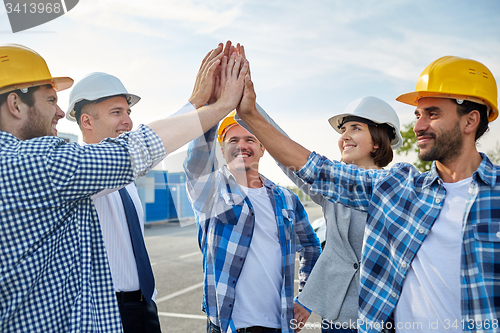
<point x="430" y="299"/>
<point x="258" y="290"/>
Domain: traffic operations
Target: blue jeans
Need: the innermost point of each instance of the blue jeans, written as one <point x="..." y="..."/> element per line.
<point x="335" y="327"/>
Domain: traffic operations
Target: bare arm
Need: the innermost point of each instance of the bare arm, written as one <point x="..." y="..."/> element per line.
<point x="283" y="149"/>
<point x="205" y="78"/>
<point x="177" y="131"/>
<point x="315" y="196"/>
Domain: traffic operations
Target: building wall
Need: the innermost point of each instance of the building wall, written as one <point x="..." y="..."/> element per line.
<point x="164" y="197"/>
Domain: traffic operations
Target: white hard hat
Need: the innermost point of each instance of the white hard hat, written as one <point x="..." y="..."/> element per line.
<point x="95" y="86"/>
<point x="374" y="109"/>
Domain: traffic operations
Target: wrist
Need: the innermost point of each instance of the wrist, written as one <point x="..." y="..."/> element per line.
<point x="296" y="300"/>
<point x="194" y="102"/>
<point x="197" y="102"/>
<point x="224" y="106"/>
<point x="249" y="114"/>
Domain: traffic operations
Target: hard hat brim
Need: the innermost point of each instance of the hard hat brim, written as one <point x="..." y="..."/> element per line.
<point x="225" y="123"/>
<point x="412" y="98"/>
<point x="396" y="143"/>
<point x="59" y="84"/>
<point x="70" y="114"/>
<point x="409" y="98"/>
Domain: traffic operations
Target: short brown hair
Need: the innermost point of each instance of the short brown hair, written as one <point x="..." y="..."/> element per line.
<point x="26" y="97"/>
<point x="86" y="106"/>
<point x="466" y="107"/>
<point x="381" y="136"/>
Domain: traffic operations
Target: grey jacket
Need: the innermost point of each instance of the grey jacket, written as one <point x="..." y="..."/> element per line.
<point x="332" y="290"/>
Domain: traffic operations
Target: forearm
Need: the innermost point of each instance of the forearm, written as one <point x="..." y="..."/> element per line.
<point x="337" y="182"/>
<point x="176" y="131"/>
<point x="303" y="186"/>
<point x="283" y="149"/>
<point x="122" y="159"/>
<point x="200" y="166"/>
<point x="201" y="156"/>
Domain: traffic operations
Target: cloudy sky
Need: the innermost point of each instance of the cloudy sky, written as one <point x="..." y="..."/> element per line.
<point x="309" y="59"/>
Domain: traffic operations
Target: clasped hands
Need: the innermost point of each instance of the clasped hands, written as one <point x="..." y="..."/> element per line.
<point x="224" y="78"/>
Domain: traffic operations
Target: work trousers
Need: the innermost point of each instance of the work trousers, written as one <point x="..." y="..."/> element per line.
<point x="137" y="315"/>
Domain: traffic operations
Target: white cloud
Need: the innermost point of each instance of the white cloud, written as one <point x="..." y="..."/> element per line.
<point x="151" y="17"/>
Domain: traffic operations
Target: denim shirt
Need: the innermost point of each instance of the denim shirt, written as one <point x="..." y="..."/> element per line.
<point x="54" y="273"/>
<point x="225" y="219"/>
<point x="402" y="205"/>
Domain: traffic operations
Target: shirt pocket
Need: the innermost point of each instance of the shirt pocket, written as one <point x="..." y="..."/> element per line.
<point x="488" y="248"/>
<point x="228" y="207"/>
<point x="487" y="232"/>
<point x="288" y="219"/>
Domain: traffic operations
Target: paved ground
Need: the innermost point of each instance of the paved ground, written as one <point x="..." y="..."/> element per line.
<point x="177" y="265"/>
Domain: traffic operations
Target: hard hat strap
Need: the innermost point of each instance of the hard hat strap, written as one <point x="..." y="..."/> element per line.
<point x="356" y="118"/>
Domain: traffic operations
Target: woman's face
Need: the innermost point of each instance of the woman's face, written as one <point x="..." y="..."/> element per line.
<point x="356" y="144"/>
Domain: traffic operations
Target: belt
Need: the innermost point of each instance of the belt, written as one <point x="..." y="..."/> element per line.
<point x="258" y="329"/>
<point x="129" y="296"/>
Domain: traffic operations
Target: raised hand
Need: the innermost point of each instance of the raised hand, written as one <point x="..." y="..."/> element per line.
<point x="228" y="50"/>
<point x="205" y="79"/>
<point x="232" y="80"/>
<point x="247" y="104"/>
<point x="240" y="49"/>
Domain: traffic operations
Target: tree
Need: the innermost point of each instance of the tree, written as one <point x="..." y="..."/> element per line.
<point x="494" y="155"/>
<point x="410" y="145"/>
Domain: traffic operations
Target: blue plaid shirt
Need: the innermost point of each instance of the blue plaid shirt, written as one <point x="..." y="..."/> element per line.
<point x="54" y="274"/>
<point x="402" y="205"/>
<point x="226" y="221"/>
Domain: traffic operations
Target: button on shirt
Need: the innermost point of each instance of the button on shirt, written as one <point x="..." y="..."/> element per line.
<point x="432" y="288"/>
<point x="402" y="205"/>
<point x="225" y="228"/>
<point x="54" y="274"/>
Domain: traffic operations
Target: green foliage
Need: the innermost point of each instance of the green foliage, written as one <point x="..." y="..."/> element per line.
<point x="302" y="196"/>
<point x="410" y="145"/>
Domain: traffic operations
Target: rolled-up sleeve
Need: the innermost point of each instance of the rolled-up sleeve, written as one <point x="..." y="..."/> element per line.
<point x="343" y="183"/>
<point x="79" y="171"/>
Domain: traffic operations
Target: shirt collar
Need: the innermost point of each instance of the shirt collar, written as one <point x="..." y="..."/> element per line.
<point x="8" y="137"/>
<point x="486" y="172"/>
<point x="266" y="182"/>
<point x="432" y="176"/>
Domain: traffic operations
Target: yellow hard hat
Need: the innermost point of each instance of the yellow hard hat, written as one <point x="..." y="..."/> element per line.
<point x="456" y="78"/>
<point x="21" y="67"/>
<point x="225" y="125"/>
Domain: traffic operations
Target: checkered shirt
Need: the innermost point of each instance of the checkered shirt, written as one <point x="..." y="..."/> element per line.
<point x="226" y="221"/>
<point x="54" y="274"/>
<point x="402" y="205"/>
